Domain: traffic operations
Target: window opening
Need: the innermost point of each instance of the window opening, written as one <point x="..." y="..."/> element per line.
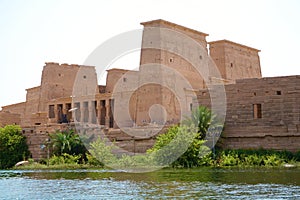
<point x="278" y="92"/>
<point x="257" y="112"/>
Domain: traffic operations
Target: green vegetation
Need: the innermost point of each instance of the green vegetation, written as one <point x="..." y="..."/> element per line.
<point x="13" y="147"/>
<point x="67" y="142"/>
<point x="261" y="157"/>
<point x="202" y="118"/>
<point x="185" y="144"/>
<point x="102" y="151"/>
<point x="180" y="146"/>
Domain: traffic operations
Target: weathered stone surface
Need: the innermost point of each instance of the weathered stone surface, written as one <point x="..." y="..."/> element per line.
<point x="278" y="125"/>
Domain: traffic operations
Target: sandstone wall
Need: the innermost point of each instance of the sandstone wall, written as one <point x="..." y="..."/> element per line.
<point x="235" y="61"/>
<point x="12" y="114"/>
<point x="262" y="113"/>
<point x="37" y="137"/>
<point x="7" y="118"/>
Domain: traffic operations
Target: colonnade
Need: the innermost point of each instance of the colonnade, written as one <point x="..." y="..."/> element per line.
<point x="86" y="111"/>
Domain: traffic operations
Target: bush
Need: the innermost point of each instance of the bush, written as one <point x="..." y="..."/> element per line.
<point x="64" y="159"/>
<point x="91" y="160"/>
<point x="272" y="160"/>
<point x="297" y="156"/>
<point x="13" y="147"/>
<point x="253" y="160"/>
<point x="180" y="146"/>
<point x="135" y="162"/>
<point x="260" y="157"/>
<point x="102" y="152"/>
<point x="228" y="159"/>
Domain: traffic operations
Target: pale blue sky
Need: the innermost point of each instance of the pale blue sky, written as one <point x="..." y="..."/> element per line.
<point x="67" y="31"/>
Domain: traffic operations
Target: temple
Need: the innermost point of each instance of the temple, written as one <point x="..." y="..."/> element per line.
<point x="177" y="69"/>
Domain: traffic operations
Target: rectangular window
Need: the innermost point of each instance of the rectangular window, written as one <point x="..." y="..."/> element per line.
<point x="51" y="111"/>
<point x="278" y="92"/>
<point x="257" y="111"/>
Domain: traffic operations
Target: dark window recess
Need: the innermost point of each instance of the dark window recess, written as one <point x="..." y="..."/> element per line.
<point x="191" y="106"/>
<point x="51" y="111"/>
<point x="124" y="79"/>
<point x="257" y="112"/>
<point x="84" y="76"/>
<point x="231" y="64"/>
<point x="200" y="57"/>
<point x="171" y="59"/>
<point x="278" y="92"/>
<point x="254" y="93"/>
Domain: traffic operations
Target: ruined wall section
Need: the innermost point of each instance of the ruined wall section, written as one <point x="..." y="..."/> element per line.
<point x="235" y="61"/>
<point x="261" y="113"/>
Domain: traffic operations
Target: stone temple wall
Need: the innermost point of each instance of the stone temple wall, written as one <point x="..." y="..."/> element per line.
<point x="261" y="113"/>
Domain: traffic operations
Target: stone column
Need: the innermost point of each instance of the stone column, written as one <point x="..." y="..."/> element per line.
<point x="73" y="113"/>
<point x="91" y="112"/>
<point x="107" y="120"/>
<point x="82" y="111"/>
<point x="56" y="113"/>
<point x="99" y="111"/>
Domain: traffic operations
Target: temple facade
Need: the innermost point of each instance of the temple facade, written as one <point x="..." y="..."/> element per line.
<point x="177" y="68"/>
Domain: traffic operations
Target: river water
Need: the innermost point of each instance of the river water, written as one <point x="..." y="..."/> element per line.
<point x="202" y="183"/>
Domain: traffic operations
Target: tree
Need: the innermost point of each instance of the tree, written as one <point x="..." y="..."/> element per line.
<point x="67" y="142"/>
<point x="202" y="118"/>
<point x="13" y="147"/>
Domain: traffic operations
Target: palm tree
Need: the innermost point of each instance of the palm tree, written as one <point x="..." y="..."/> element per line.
<point x="63" y="142"/>
<point x="202" y="118"/>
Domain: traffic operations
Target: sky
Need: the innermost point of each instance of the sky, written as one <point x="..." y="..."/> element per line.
<point x="67" y="31"/>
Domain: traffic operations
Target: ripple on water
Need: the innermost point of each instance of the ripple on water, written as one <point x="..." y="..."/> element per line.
<point x="99" y="184"/>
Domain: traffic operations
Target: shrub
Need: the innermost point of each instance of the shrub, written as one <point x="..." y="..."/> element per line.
<point x="13" y="147"/>
<point x="260" y="157"/>
<point x="102" y="151"/>
<point x="64" y="159"/>
<point x="272" y="160"/>
<point x="180" y="146"/>
<point x="228" y="159"/>
<point x="91" y="160"/>
<point x="297" y="156"/>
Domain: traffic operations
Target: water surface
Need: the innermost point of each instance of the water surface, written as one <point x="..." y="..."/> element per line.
<point x="202" y="183"/>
